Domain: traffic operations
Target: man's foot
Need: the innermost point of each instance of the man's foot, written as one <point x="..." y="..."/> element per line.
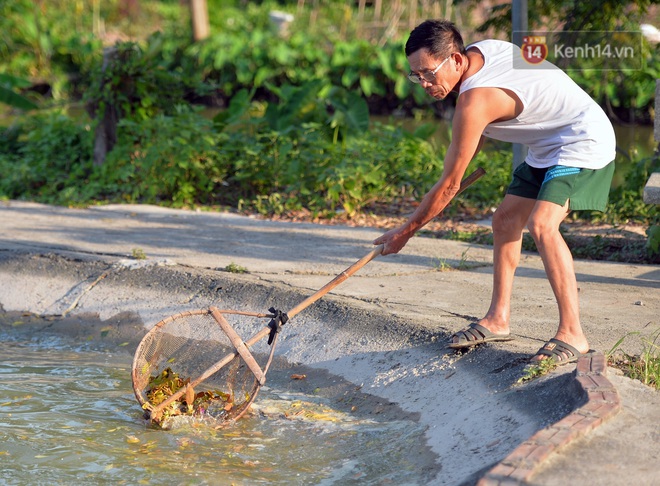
<point x="476" y="334"/>
<point x="561" y="352"/>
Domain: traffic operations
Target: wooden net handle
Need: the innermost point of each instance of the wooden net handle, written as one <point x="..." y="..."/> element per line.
<point x="467" y="182"/>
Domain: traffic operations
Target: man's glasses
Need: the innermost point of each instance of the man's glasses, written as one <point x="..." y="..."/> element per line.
<point x="428" y="76"/>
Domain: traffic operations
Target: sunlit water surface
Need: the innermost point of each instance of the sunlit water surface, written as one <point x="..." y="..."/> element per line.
<point x="68" y="416"/>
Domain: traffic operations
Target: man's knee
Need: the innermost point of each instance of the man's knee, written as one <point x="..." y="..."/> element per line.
<point x="540" y="228"/>
<point x="506" y="219"/>
<point x="545" y="220"/>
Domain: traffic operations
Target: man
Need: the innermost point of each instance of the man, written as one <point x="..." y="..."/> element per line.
<point x="569" y="166"/>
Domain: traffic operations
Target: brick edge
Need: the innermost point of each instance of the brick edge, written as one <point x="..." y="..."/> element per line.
<point x="602" y="403"/>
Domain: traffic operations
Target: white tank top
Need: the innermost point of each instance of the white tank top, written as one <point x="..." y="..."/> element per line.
<point x="560" y="123"/>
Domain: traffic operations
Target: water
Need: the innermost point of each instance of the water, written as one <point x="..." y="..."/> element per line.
<point x="68" y="416"/>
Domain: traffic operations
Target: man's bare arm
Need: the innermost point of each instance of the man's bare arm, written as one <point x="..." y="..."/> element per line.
<point x="474" y="111"/>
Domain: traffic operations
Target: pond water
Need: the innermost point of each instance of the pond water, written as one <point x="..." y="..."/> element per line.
<point x="68" y="416"/>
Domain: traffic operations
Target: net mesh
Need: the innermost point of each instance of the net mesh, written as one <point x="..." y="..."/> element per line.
<point x="187" y="364"/>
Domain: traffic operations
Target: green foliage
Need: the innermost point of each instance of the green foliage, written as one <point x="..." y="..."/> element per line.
<point x="26" y="37"/>
<point x="138" y="254"/>
<point x="626" y="200"/>
<point x="624" y="92"/>
<point x="606" y="15"/>
<point x="492" y="187"/>
<point x="272" y="60"/>
<point x="305" y="169"/>
<point x="653" y="242"/>
<point x="239" y="105"/>
<point x="58" y="44"/>
<point x="269" y="59"/>
<point x="644" y="367"/>
<point x="47" y="159"/>
<point x="350" y="113"/>
<point x="9" y="97"/>
<point x="343" y="112"/>
<point x="235" y="268"/>
<point x="45" y="41"/>
<point x="135" y="83"/>
<point x="184" y="159"/>
<point x="297" y="105"/>
<point x="537" y="369"/>
<point x="167" y="159"/>
<point x="296" y="154"/>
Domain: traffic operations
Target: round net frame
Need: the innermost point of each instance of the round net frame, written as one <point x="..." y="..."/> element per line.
<point x="195" y="364"/>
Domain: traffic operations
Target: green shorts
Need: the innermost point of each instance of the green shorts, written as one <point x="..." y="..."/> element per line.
<point x="584" y="189"/>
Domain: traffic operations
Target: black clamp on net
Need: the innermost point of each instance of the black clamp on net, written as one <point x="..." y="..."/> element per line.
<point x="279" y="319"/>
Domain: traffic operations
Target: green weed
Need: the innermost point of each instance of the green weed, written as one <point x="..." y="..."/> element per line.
<point x="138" y="254"/>
<point x="653" y="242"/>
<point x="535" y="370"/>
<point x="234" y="268"/>
<point x="644" y="367"/>
<point x="441" y="265"/>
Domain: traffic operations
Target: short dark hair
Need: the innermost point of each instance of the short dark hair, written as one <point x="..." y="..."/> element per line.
<point x="440" y="37"/>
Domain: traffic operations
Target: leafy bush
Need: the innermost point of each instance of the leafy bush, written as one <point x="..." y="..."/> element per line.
<point x="626" y="201"/>
<point x="42" y="41"/>
<point x="135" y="83"/>
<point x="9" y="97"/>
<point x="184" y="159"/>
<point x="167" y="159"/>
<point x="51" y="44"/>
<point x="274" y="172"/>
<point x="47" y="159"/>
<point x="245" y="158"/>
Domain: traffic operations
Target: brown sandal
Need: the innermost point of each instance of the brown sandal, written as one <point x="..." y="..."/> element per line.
<point x="476" y="334"/>
<point x="559" y="351"/>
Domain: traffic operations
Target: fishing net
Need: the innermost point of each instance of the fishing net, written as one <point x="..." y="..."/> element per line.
<point x="195" y="364"/>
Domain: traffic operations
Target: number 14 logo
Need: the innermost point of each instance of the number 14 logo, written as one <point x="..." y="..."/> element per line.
<point x="534" y="49"/>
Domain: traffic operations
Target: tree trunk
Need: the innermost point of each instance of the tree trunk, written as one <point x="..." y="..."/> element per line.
<point x="105" y="135"/>
<point x="199" y="14"/>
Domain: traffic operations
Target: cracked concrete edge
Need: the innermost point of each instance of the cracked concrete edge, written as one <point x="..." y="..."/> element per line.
<point x="602" y="403"/>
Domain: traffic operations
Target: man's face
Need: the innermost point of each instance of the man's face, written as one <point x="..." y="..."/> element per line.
<point x="435" y="75"/>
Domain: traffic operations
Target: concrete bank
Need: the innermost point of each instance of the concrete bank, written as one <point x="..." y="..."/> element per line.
<point x="383" y="329"/>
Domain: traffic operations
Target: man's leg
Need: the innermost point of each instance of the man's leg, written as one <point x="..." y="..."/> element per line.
<point x="543" y="225"/>
<point x="508" y="223"/>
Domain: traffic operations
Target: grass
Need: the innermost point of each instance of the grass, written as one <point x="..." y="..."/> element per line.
<point x="138" y="254"/>
<point x="644" y="367"/>
<point x="442" y="265"/>
<point x="532" y="371"/>
<point x="234" y="268"/>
